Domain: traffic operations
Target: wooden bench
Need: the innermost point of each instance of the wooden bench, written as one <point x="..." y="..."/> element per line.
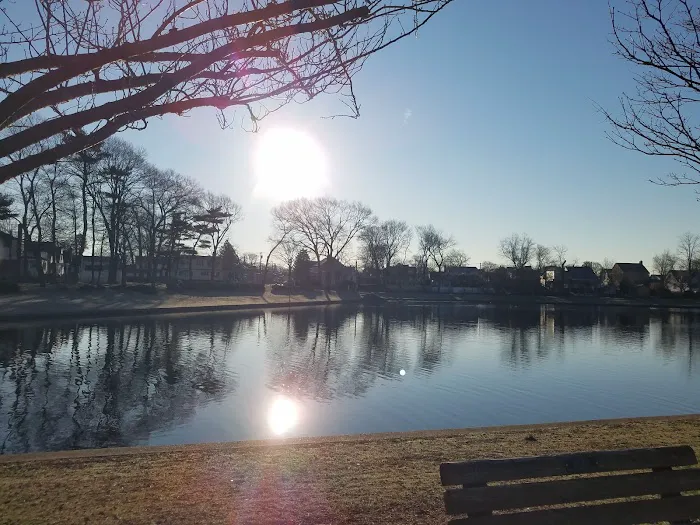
<point x="521" y="496"/>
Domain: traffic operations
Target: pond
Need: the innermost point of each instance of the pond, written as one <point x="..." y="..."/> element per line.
<point x="339" y="370"/>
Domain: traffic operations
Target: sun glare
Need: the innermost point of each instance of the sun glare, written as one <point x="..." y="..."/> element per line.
<point x="288" y="164"/>
<point x="282" y="416"/>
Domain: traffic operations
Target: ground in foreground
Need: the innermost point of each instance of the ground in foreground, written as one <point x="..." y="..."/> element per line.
<point x="358" y="479"/>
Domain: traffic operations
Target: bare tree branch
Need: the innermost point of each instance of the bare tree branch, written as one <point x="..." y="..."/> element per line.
<point x="84" y="71"/>
<point x="661" y="38"/>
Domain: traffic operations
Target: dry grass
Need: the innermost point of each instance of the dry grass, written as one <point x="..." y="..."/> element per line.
<point x="360" y="479"/>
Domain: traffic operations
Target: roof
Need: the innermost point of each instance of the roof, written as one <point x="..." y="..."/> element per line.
<point x="47" y="246"/>
<point x="463" y="270"/>
<point x="581" y="273"/>
<point x="632" y="267"/>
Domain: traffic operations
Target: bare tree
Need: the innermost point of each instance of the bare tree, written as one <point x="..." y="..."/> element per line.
<point x="162" y="195"/>
<point x="397" y="238"/>
<point x="281" y="234"/>
<point x="82" y="169"/>
<point x="488" y="266"/>
<point x="381" y="243"/>
<point x="560" y="252"/>
<point x="688" y="247"/>
<point x="114" y="194"/>
<point x="93" y="68"/>
<point x="664" y="263"/>
<point x="663" y="40"/>
<point x="373" y="248"/>
<point x="595" y="266"/>
<point x="324" y="226"/>
<point x="518" y="249"/>
<point x="339" y="222"/>
<point x="456" y="258"/>
<point x="436" y="245"/>
<point x="287" y="254"/>
<point x="543" y="256"/>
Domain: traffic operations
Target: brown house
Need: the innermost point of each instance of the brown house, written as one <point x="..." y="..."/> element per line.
<point x="333" y="273"/>
<point x="630" y="274"/>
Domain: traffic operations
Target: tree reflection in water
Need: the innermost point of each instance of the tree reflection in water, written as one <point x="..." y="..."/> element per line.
<point x="117" y="383"/>
<point x="109" y="384"/>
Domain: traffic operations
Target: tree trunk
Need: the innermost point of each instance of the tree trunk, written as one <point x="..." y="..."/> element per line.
<point x="102" y="248"/>
<point x="92" y="248"/>
<point x="25" y="234"/>
<point x="39" y="267"/>
<point x="83" y="237"/>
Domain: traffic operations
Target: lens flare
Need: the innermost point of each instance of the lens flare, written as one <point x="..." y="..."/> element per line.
<point x="282" y="416"/>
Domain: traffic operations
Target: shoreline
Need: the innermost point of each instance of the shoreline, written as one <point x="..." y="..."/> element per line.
<point x="361" y="479"/>
<point x="551" y="300"/>
<point x="48" y="305"/>
<point x="88" y="315"/>
<point x="216" y="446"/>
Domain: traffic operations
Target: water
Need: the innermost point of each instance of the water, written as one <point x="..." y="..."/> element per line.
<point x="339" y="370"/>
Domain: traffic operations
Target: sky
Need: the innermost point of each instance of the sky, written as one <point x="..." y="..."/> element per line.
<point x="484" y="125"/>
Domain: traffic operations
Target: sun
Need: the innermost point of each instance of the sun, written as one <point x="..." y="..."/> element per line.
<point x="282" y="416"/>
<point x="288" y="164"/>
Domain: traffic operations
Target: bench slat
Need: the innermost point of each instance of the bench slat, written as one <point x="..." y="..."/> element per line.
<point x="503" y="497"/>
<point x="627" y="513"/>
<point x="483" y="471"/>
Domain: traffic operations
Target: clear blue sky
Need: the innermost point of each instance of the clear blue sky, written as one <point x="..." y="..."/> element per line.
<point x="503" y="137"/>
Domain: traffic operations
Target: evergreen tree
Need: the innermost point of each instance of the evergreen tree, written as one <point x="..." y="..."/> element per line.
<point x="302" y="266"/>
<point x="6" y="207"/>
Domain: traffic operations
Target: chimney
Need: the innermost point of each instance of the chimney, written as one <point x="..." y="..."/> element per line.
<point x="641" y="263"/>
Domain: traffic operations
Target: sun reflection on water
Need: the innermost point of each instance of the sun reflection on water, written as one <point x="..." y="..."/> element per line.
<point x="282" y="416"/>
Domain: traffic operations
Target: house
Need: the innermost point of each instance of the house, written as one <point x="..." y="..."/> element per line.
<point x="9" y="256"/>
<point x="53" y="259"/>
<point x="333" y="273"/>
<point x="401" y="275"/>
<point x="576" y="279"/>
<point x="631" y="278"/>
<point x="464" y="276"/>
<point x="197" y="268"/>
<point x="631" y="274"/>
<point x="553" y="278"/>
<point x="581" y="279"/>
<point x="95" y="269"/>
<point x="680" y="281"/>
<point x="139" y="271"/>
<point x="656" y="283"/>
<point x="200" y="268"/>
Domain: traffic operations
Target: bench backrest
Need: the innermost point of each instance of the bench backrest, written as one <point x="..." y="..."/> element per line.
<point x="479" y="497"/>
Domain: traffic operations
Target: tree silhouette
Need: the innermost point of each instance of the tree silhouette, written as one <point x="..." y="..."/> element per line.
<point x="302" y="268"/>
<point x="6" y="207"/>
<point x="90" y="69"/>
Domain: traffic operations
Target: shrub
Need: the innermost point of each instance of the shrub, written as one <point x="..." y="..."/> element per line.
<point x="9" y="287"/>
<point x="143" y="288"/>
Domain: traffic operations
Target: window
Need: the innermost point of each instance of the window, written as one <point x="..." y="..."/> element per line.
<point x="204" y="273"/>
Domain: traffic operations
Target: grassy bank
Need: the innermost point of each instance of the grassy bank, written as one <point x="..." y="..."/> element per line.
<point x="56" y="303"/>
<point x="358" y="479"/>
